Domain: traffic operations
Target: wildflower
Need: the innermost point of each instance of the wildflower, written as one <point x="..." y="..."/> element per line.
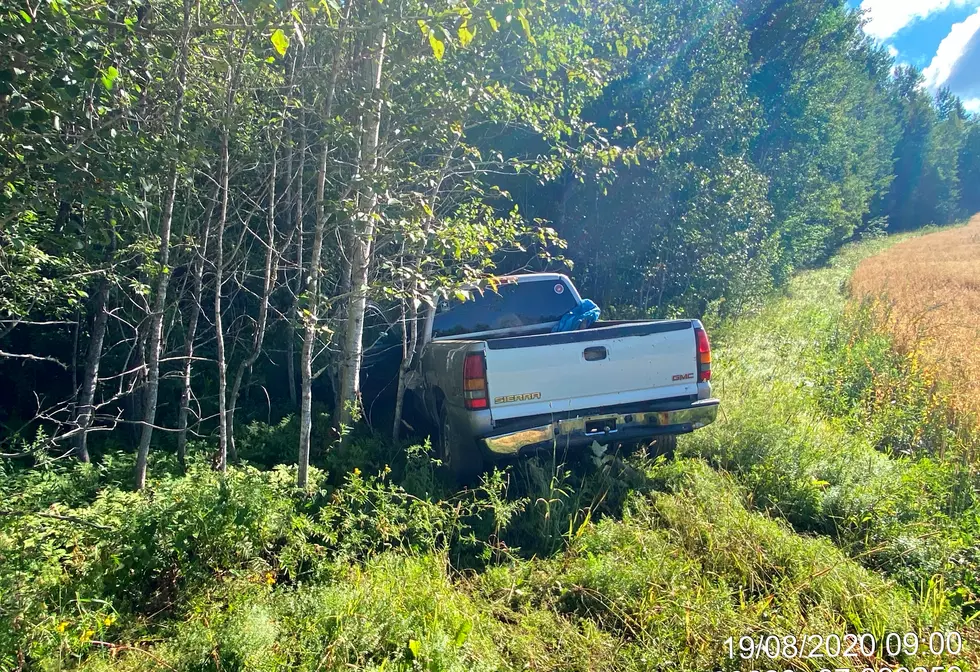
<point x="86" y="636"/>
<point x="61" y="627"/>
<point x="108" y="620"/>
<point x="357" y="472"/>
<point x="270" y="578"/>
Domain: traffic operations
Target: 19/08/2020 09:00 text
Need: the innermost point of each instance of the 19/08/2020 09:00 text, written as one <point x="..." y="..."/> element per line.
<point x="809" y="647"/>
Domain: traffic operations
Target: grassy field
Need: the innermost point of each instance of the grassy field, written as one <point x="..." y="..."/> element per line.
<point x="831" y="427"/>
<point x="927" y="291"/>
<point x="804" y="511"/>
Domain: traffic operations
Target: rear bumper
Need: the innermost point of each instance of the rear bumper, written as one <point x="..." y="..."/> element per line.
<point x="605" y="428"/>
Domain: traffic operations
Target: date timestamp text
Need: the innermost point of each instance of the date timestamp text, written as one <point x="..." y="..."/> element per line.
<point x="810" y="647"/>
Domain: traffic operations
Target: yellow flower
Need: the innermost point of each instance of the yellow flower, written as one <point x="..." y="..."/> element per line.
<point x="109" y="620"/>
<point x="357" y="472"/>
<point x="61" y="627"/>
<point x="86" y="636"/>
<point x="270" y="578"/>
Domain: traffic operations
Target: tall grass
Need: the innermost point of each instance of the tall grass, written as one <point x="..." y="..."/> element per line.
<point x="927" y="297"/>
<point x="830" y="427"/>
<point x="242" y="573"/>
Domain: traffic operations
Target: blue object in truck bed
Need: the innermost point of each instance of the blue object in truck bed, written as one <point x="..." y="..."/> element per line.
<point x="581" y="317"/>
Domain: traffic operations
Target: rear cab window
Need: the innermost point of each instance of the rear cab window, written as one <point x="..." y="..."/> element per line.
<point x="512" y="306"/>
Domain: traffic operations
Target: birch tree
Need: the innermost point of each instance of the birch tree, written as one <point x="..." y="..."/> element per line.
<point x="155" y="338"/>
<point x="311" y="314"/>
<point x="364" y="216"/>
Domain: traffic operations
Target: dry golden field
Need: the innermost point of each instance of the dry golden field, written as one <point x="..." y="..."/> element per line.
<point x="929" y="291"/>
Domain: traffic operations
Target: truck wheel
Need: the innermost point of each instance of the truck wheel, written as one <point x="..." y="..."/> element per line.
<point x="665" y="445"/>
<point x="462" y="457"/>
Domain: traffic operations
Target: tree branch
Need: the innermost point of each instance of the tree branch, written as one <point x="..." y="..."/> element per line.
<point x="33" y="358"/>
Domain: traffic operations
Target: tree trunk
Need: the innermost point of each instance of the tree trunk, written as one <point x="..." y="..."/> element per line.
<point x="90" y="379"/>
<point x="195" y="316"/>
<point x="363" y="238"/>
<point x="310" y="322"/>
<point x="221" y="462"/>
<point x="219" y="260"/>
<point x="298" y="289"/>
<point x="155" y="337"/>
<point x="309" y="331"/>
<point x="410" y="339"/>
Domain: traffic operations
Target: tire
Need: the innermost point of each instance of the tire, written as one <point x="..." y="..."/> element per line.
<point x="461" y="457"/>
<point x="665" y="445"/>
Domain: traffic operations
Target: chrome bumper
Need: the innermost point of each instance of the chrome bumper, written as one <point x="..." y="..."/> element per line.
<point x="628" y="426"/>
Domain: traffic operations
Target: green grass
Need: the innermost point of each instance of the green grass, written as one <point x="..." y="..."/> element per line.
<point x="890" y="481"/>
<point x="791" y="516"/>
<point x="685" y="567"/>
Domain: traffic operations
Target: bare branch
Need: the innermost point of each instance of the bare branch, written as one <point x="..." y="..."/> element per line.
<point x="33" y="358"/>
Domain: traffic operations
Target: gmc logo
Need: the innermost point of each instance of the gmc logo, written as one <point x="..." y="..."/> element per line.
<point x="686" y="376"/>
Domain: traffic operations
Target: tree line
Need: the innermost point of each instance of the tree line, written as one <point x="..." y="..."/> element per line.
<point x="204" y="204"/>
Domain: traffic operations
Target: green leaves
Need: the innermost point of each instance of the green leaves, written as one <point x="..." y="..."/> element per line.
<point x="414" y="649"/>
<point x="438" y="46"/>
<point x="17" y="118"/>
<point x="463" y="633"/>
<point x="522" y="18"/>
<point x="465" y="34"/>
<point x="279" y="41"/>
<point x="109" y="76"/>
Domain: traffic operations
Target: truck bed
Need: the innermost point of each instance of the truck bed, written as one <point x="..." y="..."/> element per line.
<point x="609" y="364"/>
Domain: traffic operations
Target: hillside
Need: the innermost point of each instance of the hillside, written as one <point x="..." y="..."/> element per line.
<point x="803" y="526"/>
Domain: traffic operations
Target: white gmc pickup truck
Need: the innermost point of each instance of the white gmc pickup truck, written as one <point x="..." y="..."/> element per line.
<point x="495" y="379"/>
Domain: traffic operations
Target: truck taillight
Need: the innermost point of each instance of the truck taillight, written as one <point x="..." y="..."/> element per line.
<point x="704" y="354"/>
<point x="475" y="383"/>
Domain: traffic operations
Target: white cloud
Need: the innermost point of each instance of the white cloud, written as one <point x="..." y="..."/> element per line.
<point x="888" y="17"/>
<point x="892" y="51"/>
<point x="972" y="105"/>
<point x="951" y="49"/>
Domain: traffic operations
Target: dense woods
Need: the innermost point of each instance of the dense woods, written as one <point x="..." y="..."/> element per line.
<point x="207" y="207"/>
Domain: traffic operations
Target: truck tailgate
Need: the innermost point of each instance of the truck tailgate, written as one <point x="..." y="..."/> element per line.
<point x="604" y="366"/>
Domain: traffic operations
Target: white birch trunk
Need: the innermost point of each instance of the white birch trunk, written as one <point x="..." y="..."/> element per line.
<point x="310" y="320"/>
<point x="195" y="316"/>
<point x="271" y="270"/>
<point x="219" y="260"/>
<point x="155" y="336"/>
<point x="363" y="238"/>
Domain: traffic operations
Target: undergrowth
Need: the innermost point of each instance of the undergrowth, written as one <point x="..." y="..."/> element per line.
<point x="243" y="572"/>
<point x="830" y="428"/>
<point x="831" y="498"/>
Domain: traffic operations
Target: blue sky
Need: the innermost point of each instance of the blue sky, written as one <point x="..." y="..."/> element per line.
<point x="941" y="37"/>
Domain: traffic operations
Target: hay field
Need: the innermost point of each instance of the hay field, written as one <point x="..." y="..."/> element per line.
<point x="928" y="297"/>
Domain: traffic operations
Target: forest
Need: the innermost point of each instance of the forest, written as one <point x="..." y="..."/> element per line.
<point x="202" y="202"/>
